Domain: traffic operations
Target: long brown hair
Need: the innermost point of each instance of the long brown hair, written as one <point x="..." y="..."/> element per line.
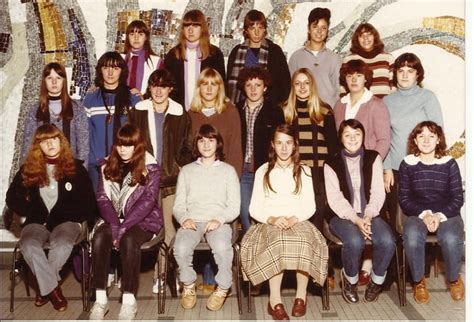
<point x="295" y="159"/>
<point x="366" y="27"/>
<point x="139" y="26"/>
<point x="34" y="169"/>
<point x="194" y="17"/>
<point x="42" y="113"/>
<point x="127" y="135"/>
<point x="440" y="150"/>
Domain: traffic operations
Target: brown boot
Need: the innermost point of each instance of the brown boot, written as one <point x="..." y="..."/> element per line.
<point x="456" y="289"/>
<point x="420" y="292"/>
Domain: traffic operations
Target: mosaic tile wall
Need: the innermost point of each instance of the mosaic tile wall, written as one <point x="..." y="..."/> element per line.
<point x="61" y="31"/>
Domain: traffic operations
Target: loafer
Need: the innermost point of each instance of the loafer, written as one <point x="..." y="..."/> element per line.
<point x="420" y="292"/>
<point x="331" y="282"/>
<point x="278" y="312"/>
<point x="57" y="298"/>
<point x="299" y="307"/>
<point x="349" y="291"/>
<point x="98" y="311"/>
<point x="41" y="300"/>
<point x="372" y="292"/>
<point x="128" y="311"/>
<point x="456" y="289"/>
<point x="364" y="278"/>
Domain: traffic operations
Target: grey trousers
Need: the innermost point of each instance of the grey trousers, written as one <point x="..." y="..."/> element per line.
<point x="46" y="269"/>
<point x="220" y="242"/>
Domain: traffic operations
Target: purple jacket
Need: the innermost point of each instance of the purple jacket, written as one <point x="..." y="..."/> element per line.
<point x="141" y="207"/>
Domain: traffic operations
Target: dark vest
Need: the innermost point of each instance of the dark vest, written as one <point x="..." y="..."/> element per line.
<point x="337" y="164"/>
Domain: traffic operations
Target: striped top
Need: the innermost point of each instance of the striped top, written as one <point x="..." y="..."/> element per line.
<point x="436" y="186"/>
<point x="305" y="137"/>
<point x="380" y="66"/>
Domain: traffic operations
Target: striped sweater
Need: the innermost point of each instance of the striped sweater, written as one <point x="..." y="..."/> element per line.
<point x="380" y="66"/>
<point x="436" y="186"/>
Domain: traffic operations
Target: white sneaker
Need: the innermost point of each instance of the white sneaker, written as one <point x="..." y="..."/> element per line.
<point x="110" y="280"/>
<point x="98" y="311"/>
<point x="158" y="286"/>
<point x="128" y="311"/>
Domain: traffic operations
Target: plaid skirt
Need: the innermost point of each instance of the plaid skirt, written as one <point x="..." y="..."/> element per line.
<point x="267" y="250"/>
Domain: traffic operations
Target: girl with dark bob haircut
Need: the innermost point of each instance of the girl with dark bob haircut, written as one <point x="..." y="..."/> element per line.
<point x="356" y="66"/>
<point x="410" y="60"/>
<point x="210" y="132"/>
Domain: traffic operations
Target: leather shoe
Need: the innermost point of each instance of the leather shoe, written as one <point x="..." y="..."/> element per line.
<point x="331" y="282"/>
<point x="57" y="298"/>
<point x="372" y="292"/>
<point x="456" y="289"/>
<point x="420" y="292"/>
<point x="41" y="300"/>
<point x="349" y="291"/>
<point x="278" y="312"/>
<point x="364" y="278"/>
<point x="299" y="308"/>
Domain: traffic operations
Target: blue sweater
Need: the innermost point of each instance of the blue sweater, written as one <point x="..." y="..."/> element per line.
<point x="407" y="108"/>
<point x="99" y="128"/>
<point x="436" y="186"/>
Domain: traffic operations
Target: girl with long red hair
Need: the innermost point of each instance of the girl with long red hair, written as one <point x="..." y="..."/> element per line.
<point x="53" y="191"/>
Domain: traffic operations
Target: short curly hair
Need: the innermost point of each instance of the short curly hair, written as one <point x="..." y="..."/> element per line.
<point x="248" y="73"/>
<point x="352" y="67"/>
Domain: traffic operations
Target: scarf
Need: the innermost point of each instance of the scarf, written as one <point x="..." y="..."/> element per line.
<point x="363" y="200"/>
<point x="119" y="191"/>
<point x="197" y="71"/>
<point x="140" y="67"/>
<point x="240" y="62"/>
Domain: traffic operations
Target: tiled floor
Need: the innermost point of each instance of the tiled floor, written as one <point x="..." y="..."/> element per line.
<point x="441" y="306"/>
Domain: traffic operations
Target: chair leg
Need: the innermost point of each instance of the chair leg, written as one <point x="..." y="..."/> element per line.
<point x="404" y="278"/>
<point x="325" y="295"/>
<point x="84" y="252"/>
<point x="12" y="279"/>
<point x="173" y="267"/>
<point x="249" y="297"/>
<point x="238" y="285"/>
<point x="435" y="254"/>
<point x="399" y="276"/>
<point x="164" y="251"/>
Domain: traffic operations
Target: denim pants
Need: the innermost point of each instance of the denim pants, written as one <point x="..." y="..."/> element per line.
<point x="246" y="187"/>
<point x="220" y="242"/>
<point x="46" y="269"/>
<point x="353" y="244"/>
<point x="450" y="235"/>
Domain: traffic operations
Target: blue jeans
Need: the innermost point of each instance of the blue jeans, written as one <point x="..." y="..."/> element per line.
<point x="246" y="187"/>
<point x="353" y="244"/>
<point x="450" y="235"/>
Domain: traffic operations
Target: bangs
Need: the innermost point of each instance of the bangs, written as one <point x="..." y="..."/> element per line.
<point x="161" y="82"/>
<point x="193" y="17"/>
<point x="45" y="132"/>
<point x="112" y="63"/>
<point x="126" y="140"/>
<point x="408" y="63"/>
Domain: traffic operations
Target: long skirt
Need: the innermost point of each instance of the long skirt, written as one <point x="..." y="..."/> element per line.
<point x="267" y="250"/>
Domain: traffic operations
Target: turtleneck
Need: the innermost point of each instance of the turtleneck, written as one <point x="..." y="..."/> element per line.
<point x="52" y="161"/>
<point x="301" y="104"/>
<point x="191" y="45"/>
<point x="139" y="52"/>
<point x="369" y="54"/>
<point x="407" y="91"/>
<point x="54" y="98"/>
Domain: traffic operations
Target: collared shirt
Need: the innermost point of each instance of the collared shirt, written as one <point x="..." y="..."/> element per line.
<point x="250" y="117"/>
<point x="351" y="110"/>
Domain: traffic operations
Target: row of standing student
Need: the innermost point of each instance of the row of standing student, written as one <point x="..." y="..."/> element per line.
<point x="303" y="107"/>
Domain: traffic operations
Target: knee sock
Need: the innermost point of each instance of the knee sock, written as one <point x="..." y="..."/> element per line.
<point x="128" y="298"/>
<point x="275" y="289"/>
<point x="101" y="296"/>
<point x="301" y="285"/>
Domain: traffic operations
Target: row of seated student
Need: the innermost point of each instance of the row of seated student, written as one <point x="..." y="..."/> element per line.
<point x="170" y="105"/>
